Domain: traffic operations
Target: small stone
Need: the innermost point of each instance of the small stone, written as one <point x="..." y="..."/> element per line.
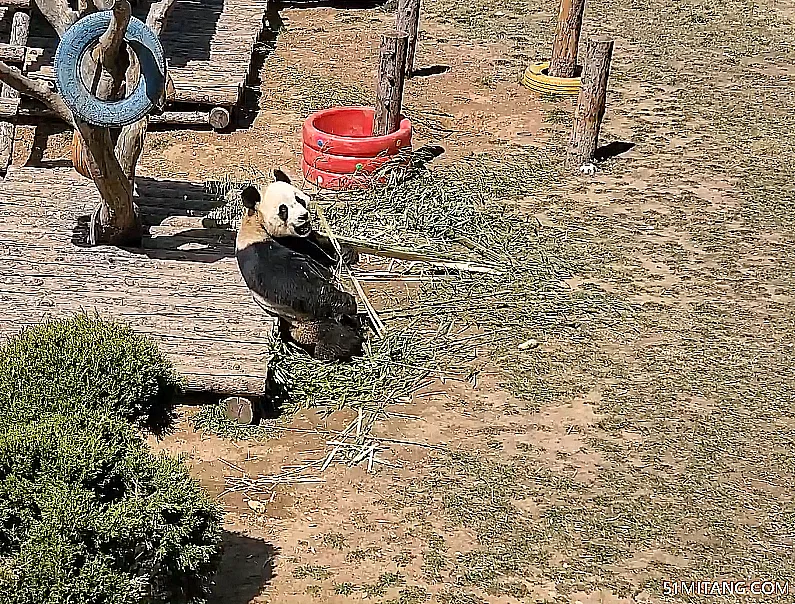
<point x="256" y="505"/>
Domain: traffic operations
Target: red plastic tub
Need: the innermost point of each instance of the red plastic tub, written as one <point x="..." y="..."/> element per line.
<point x="340" y="164"/>
<point x="339" y="142"/>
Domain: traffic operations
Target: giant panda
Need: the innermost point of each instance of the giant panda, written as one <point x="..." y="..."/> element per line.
<point x="288" y="268"/>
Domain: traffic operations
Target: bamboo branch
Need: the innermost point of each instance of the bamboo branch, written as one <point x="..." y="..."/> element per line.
<point x="378" y="325"/>
<point x="37" y="89"/>
<point x="58" y="13"/>
<point x="377" y="249"/>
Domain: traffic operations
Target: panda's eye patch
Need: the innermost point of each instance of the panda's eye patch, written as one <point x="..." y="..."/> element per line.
<point x="283" y="212"/>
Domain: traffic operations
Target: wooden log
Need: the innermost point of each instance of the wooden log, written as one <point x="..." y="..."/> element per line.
<point x="590" y="104"/>
<point x="12" y="107"/>
<point x="407" y="20"/>
<point x="567" y="37"/>
<point x="218" y="94"/>
<point x="219" y="118"/>
<point x="20" y="25"/>
<point x="7" y="133"/>
<point x="391" y="77"/>
<point x="229" y="385"/>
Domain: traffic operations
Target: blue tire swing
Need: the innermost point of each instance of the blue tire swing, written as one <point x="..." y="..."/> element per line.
<point x="81" y="38"/>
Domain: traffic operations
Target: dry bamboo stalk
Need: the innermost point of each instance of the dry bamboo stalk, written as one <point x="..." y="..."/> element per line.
<point x="378" y="249"/>
<point x="378" y="325"/>
<point x="329" y="458"/>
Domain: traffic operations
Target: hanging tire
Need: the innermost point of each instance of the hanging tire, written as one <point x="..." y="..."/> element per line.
<point x="81" y="38"/>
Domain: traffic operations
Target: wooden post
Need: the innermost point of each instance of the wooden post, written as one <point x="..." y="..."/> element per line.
<point x="407" y="20"/>
<point x="20" y="25"/>
<point x="391" y="76"/>
<point x="590" y="104"/>
<point x="567" y="37"/>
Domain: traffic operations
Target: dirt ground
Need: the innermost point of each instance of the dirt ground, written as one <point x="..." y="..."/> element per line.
<point x="663" y="447"/>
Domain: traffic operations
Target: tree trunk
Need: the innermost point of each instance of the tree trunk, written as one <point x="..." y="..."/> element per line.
<point x="567" y="37"/>
<point x="58" y="13"/>
<point x="408" y="20"/>
<point x="391" y="76"/>
<point x="590" y="104"/>
<point x="115" y="220"/>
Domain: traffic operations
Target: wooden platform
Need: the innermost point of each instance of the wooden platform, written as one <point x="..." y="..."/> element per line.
<point x="183" y="287"/>
<point x="209" y="47"/>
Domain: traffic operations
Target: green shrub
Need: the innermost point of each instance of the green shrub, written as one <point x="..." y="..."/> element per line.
<point x="86" y="365"/>
<point x="89" y="515"/>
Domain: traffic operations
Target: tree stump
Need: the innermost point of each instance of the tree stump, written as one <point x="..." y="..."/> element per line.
<point x="590" y="103"/>
<point x="407" y="20"/>
<point x="567" y="37"/>
<point x="391" y="77"/>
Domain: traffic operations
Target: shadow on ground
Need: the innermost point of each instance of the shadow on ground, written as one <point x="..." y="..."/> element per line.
<point x="431" y="70"/>
<point x="611" y="150"/>
<point x="194" y="238"/>
<point x="247" y="566"/>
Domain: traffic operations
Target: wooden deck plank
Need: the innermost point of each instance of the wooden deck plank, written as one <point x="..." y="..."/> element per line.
<point x="195" y="307"/>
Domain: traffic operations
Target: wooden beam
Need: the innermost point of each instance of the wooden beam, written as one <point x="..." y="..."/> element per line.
<point x="10" y="108"/>
<point x="407" y="20"/>
<point x="590" y="104"/>
<point x="391" y="77"/>
<point x="567" y="38"/>
<point x="221" y="95"/>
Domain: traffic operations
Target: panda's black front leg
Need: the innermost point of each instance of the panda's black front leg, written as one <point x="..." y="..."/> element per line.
<point x="350" y="256"/>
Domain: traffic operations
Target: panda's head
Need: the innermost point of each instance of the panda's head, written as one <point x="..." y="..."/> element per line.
<point x="281" y="210"/>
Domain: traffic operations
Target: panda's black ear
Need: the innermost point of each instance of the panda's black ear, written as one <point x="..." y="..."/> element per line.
<point x="250" y="197"/>
<point x="281" y="176"/>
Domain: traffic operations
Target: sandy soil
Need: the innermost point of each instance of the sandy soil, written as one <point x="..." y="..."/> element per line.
<point x="347" y="539"/>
